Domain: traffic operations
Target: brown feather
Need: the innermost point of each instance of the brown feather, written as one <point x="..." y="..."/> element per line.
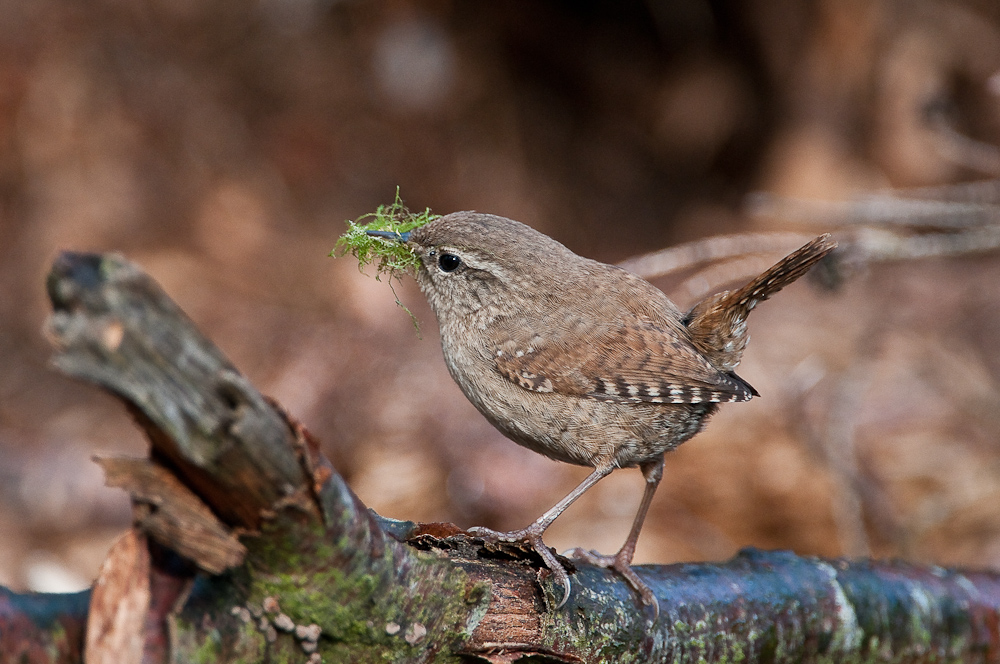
<point x="718" y="323"/>
<point x="638" y="363"/>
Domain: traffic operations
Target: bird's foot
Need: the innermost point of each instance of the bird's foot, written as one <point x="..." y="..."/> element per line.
<point x="532" y="536"/>
<point x="621" y="562"/>
<point x="509" y="537"/>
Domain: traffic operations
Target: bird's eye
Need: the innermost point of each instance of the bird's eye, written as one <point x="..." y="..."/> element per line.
<point x="449" y="262"/>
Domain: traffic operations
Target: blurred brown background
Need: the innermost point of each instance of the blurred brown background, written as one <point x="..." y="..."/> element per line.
<point x="222" y="145"/>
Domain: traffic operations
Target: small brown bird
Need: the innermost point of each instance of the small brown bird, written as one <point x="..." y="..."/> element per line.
<point x="582" y="361"/>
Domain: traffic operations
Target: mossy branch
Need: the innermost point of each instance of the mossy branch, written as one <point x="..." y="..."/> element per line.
<point x="324" y="579"/>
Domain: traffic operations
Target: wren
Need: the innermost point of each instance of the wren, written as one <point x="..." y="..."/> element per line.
<point x="581" y="361"/>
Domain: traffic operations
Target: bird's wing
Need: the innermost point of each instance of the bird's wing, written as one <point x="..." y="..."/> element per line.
<point x="638" y="362"/>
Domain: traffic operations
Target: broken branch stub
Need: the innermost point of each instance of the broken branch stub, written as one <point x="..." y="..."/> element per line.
<point x="113" y="325"/>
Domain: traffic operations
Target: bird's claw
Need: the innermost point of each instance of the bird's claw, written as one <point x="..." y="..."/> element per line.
<point x="591" y="557"/>
<point x="556" y="567"/>
<point x="494" y="536"/>
<point x="623" y="566"/>
<point x="533" y="538"/>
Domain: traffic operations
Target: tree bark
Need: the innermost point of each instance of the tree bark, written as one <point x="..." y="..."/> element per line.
<point x="249" y="547"/>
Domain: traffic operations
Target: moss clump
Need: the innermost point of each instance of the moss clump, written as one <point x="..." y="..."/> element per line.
<point x="389" y="256"/>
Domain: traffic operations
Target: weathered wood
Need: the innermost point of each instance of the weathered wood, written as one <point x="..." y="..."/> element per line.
<point x="119" y="603"/>
<point x="173" y="515"/>
<point x="114" y="326"/>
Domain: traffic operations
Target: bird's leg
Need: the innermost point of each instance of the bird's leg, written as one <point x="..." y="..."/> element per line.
<point x="621" y="562"/>
<point x="544" y="521"/>
<point x="532" y="535"/>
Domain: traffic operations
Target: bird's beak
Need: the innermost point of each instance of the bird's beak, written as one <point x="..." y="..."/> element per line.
<point x="391" y="235"/>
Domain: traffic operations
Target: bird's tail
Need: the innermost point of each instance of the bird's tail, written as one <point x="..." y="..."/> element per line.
<point x="718" y="323"/>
